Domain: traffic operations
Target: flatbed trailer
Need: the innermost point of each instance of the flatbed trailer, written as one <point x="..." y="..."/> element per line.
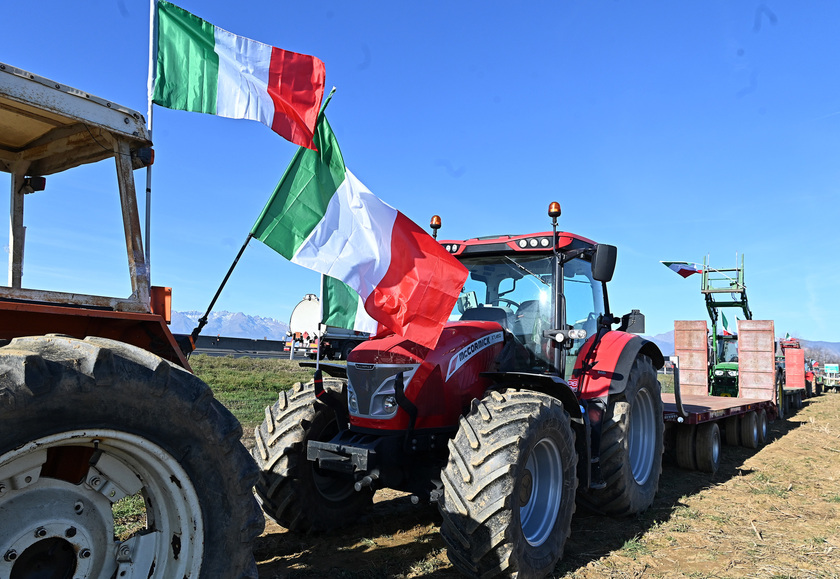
<point x="792" y="385"/>
<point x="697" y="423"/>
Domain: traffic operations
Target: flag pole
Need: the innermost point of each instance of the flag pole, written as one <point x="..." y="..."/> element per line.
<point x="202" y="321"/>
<point x="153" y="25"/>
<point x="320" y="323"/>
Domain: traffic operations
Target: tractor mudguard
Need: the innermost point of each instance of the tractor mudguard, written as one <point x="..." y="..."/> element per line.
<point x="604" y="370"/>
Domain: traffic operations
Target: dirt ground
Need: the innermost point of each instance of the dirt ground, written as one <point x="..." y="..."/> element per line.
<point x="770" y="513"/>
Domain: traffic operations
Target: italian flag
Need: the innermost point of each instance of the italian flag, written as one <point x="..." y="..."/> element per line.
<point x="322" y="217"/>
<point x="683" y="268"/>
<point x="205" y="69"/>
<point x="726" y="331"/>
<point x="343" y="308"/>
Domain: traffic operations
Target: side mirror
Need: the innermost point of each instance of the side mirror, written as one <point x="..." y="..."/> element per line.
<point x="634" y="322"/>
<point x="603" y="262"/>
<point x="467" y="301"/>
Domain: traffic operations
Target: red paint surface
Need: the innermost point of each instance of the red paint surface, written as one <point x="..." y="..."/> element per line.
<point x="440" y="402"/>
<point x="595" y="383"/>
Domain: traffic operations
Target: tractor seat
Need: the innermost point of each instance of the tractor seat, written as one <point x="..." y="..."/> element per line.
<point x="487" y="314"/>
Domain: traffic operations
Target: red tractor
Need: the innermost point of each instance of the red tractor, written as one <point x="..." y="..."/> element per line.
<point x="529" y="403"/>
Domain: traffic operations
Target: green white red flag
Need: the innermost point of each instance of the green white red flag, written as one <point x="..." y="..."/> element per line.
<point x="343" y="308"/>
<point x="726" y="331"/>
<point x="203" y="68"/>
<point x="322" y="217"/>
<point x="684" y="268"/>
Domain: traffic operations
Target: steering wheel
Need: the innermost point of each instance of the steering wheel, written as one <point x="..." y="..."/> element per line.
<point x="511" y="302"/>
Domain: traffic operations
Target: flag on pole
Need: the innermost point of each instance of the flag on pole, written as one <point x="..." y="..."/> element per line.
<point x="726" y="331"/>
<point x="684" y="268"/>
<point x="205" y="69"/>
<point x="343" y="308"/>
<point x="322" y="217"/>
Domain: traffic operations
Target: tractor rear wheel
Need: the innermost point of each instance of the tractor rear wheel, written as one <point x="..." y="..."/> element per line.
<point x="87" y="423"/>
<point x="293" y="491"/>
<point x="509" y="486"/>
<point x="631" y="445"/>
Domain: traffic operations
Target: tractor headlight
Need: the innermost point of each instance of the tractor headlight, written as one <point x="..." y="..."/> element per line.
<point x="718" y="372"/>
<point x="577" y="334"/>
<point x="384" y="402"/>
<point x="733" y="373"/>
<point x="389" y="403"/>
<point x="352" y="401"/>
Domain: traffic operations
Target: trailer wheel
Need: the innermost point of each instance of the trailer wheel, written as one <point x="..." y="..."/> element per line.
<point x="708" y="447"/>
<point x="293" y="491"/>
<point x="749" y="430"/>
<point x="761" y="420"/>
<point x="687" y="446"/>
<point x="346" y="349"/>
<point x="509" y="486"/>
<point x="732" y="430"/>
<point x="631" y="445"/>
<point x="781" y="400"/>
<point x="86" y="423"/>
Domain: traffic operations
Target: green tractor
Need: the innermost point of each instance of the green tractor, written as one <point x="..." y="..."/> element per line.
<point x="724" y="288"/>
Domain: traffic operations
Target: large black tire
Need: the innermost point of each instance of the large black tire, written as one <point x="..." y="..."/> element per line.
<point x="87" y="422"/>
<point x="293" y="491"/>
<point x="708" y="447"/>
<point x="761" y="421"/>
<point x="687" y="446"/>
<point x="749" y="430"/>
<point x="509" y="486"/>
<point x="732" y="430"/>
<point x="631" y="445"/>
<point x="781" y="401"/>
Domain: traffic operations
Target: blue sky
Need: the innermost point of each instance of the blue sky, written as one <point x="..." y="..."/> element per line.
<point x="673" y="130"/>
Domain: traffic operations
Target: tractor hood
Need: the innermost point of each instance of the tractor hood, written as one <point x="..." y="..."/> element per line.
<point x="441" y="382"/>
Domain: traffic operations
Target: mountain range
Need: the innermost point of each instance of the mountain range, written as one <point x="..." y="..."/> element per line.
<point x="230" y="325"/>
<point x="240" y="325"/>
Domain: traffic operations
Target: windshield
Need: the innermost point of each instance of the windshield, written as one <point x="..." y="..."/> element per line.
<point x="516" y="291"/>
<point x="727" y="350"/>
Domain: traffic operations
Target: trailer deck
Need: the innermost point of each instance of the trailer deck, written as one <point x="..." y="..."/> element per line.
<point x="698" y="409"/>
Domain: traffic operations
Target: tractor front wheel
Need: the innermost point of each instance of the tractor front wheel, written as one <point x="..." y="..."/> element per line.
<point x="509" y="486"/>
<point x="293" y="491"/>
<point x="94" y="428"/>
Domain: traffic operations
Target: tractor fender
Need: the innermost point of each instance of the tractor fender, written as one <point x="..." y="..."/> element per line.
<point x="603" y="366"/>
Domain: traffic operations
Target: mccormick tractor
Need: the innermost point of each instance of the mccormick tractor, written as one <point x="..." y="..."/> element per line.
<point x="98" y="410"/>
<point x="529" y="403"/>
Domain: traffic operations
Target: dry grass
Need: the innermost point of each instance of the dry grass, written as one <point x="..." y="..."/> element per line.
<point x="771" y="513"/>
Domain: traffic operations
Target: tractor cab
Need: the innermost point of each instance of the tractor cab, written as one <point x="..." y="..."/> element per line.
<point x="514" y="281"/>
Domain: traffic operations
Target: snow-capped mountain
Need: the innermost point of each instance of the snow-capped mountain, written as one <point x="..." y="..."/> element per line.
<point x="230" y="325"/>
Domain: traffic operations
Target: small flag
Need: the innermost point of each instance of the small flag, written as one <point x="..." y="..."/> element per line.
<point x="204" y="69"/>
<point x="343" y="308"/>
<point x="683" y="268"/>
<point x="726" y="331"/>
